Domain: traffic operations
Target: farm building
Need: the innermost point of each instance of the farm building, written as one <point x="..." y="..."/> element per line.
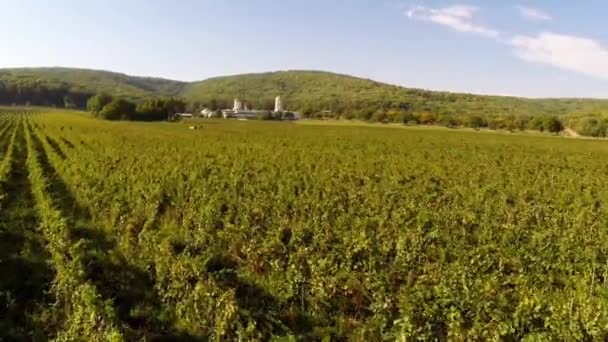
<point x="238" y="112"/>
<point x="242" y="112"/>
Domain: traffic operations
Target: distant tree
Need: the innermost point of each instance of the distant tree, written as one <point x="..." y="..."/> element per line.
<point x="158" y="109"/>
<point x="366" y="113"/>
<point x="496" y="123"/>
<point x="194" y="107"/>
<point x="591" y="126"/>
<point x="553" y="125"/>
<point x="379" y="116"/>
<point x="537" y="123"/>
<point x="119" y="109"/>
<point x="522" y="122"/>
<point x="405" y="117"/>
<point x="96" y="103"/>
<point x="392" y="114"/>
<point x="448" y="121"/>
<point x="476" y="121"/>
<point x="510" y="122"/>
<point x="425" y="118"/>
<point x="151" y="109"/>
<point x="348" y="116"/>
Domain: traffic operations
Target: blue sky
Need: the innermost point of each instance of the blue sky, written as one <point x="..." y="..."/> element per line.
<point x="530" y="48"/>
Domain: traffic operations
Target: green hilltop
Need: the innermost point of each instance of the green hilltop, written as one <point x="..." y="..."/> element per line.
<point x="49" y="86"/>
<point x="315" y="91"/>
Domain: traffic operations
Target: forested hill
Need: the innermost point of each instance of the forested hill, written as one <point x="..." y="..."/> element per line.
<point x="72" y="87"/>
<point x="310" y="92"/>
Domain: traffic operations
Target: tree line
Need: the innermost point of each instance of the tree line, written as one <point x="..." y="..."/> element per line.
<point x="32" y="92"/>
<point x="105" y="106"/>
<point x="593" y="124"/>
<point x="543" y="123"/>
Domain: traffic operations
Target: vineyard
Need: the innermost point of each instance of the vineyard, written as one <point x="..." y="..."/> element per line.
<point x="275" y="231"/>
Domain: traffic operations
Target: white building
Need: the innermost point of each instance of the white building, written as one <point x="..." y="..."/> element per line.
<point x="207" y="113"/>
<point x="237" y="112"/>
<point x="240" y="111"/>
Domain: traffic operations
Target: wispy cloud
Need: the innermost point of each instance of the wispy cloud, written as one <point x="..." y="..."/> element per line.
<point x="578" y="54"/>
<point x="533" y="14"/>
<point x="457" y="17"/>
<point x="568" y="52"/>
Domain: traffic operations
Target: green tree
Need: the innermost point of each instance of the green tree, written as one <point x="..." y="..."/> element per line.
<point x="151" y="109"/>
<point x="173" y="106"/>
<point x="119" y="109"/>
<point x="158" y="109"/>
<point x="96" y="103"/>
<point x="405" y="117"/>
<point x="553" y="125"/>
<point x="476" y="121"/>
<point x="425" y="118"/>
<point x="537" y="123"/>
<point x="379" y="116"/>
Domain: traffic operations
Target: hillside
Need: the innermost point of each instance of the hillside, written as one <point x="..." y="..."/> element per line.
<point x="56" y="86"/>
<point x="309" y="92"/>
<point x="313" y="91"/>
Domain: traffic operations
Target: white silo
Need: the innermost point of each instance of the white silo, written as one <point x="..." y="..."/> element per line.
<point x="278" y="104"/>
<point x="238" y="105"/>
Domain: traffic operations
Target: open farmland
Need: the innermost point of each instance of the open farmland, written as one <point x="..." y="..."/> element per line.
<point x="256" y="230"/>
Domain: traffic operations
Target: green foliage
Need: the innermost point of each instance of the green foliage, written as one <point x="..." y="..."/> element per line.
<point x="118" y="109"/>
<point x="547" y="123"/>
<point x="312" y="92"/>
<point x="96" y="103"/>
<point x="593" y="124"/>
<point x="158" y="109"/>
<point x="553" y="124"/>
<point x="58" y="87"/>
<point x="476" y="121"/>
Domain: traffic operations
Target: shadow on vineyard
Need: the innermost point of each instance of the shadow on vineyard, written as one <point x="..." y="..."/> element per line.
<point x="130" y="289"/>
<point x="56" y="148"/>
<point x="257" y="303"/>
<point x="67" y="142"/>
<point x="27" y="276"/>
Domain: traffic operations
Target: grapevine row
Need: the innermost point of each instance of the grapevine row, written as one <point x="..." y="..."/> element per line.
<point x="87" y="316"/>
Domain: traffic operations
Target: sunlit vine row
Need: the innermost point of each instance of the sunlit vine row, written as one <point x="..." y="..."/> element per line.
<point x="86" y="315"/>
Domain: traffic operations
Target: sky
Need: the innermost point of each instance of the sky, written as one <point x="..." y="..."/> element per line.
<point x="533" y="48"/>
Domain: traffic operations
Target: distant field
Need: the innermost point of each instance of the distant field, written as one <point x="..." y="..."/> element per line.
<point x="259" y="230"/>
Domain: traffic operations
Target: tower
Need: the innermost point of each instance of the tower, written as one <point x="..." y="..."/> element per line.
<point x="278" y="104"/>
<point x="238" y="105"/>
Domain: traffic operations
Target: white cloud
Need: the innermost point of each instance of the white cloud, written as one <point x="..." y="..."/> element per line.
<point x="533" y="14"/>
<point x="457" y="17"/>
<point x="579" y="54"/>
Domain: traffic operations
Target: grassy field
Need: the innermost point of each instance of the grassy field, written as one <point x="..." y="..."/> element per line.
<point x="268" y="230"/>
